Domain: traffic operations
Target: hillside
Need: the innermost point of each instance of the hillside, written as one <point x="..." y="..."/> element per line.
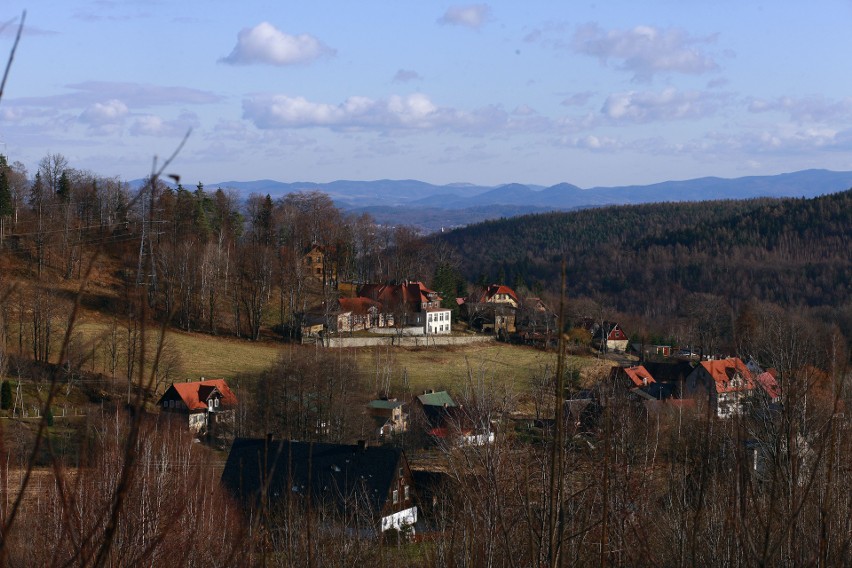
<point x="646" y="259"/>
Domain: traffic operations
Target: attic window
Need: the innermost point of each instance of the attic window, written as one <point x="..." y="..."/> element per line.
<point x="395" y="496"/>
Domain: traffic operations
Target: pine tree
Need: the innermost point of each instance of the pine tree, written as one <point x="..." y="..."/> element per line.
<point x="5" y="190"/>
<point x="6" y="396"/>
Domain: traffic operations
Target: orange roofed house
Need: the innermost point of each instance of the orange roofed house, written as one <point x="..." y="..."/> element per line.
<point x="410" y="305"/>
<point x="205" y="403"/>
<point x="726" y="383"/>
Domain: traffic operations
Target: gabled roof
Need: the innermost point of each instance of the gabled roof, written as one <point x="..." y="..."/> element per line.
<point x="639" y="375"/>
<point x="384" y="404"/>
<point x="495" y="289"/>
<point x="769" y="384"/>
<point x="392" y="296"/>
<point x="440" y="398"/>
<point x="670" y="371"/>
<point x="358" y="306"/>
<point x="723" y="371"/>
<point x="196" y="394"/>
<point x="333" y="473"/>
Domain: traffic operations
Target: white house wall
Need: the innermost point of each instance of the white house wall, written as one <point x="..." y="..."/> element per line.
<point x="400" y="519"/>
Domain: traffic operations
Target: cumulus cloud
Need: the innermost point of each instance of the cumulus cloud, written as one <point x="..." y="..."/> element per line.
<point x="668" y="104"/>
<point x="153" y="125"/>
<point x="105" y="117"/>
<point x="406" y="75"/>
<point x="806" y="109"/>
<point x="470" y="16"/>
<point x="265" y="43"/>
<point x="411" y="112"/>
<point x="646" y="50"/>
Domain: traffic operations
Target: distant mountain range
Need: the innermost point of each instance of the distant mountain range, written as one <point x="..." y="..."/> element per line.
<point x="433" y="207"/>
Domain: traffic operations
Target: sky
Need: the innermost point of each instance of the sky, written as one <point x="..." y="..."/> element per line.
<point x="542" y="92"/>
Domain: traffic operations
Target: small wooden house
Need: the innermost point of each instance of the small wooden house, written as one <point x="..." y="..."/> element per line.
<point x="203" y="403"/>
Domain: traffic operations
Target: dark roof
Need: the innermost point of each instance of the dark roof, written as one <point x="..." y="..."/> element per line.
<point x="384" y="404"/>
<point x="668" y="372"/>
<point x="337" y="471"/>
<point x="656" y="391"/>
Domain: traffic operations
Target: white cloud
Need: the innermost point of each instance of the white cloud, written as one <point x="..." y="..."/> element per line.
<point x="136" y="95"/>
<point x="806" y="109"/>
<point x="406" y="75"/>
<point x="470" y="16"/>
<point x="111" y="112"/>
<point x="646" y="50"/>
<point x="668" y="104"/>
<point x="153" y="125"/>
<point x="264" y="43"/>
<point x="411" y="112"/>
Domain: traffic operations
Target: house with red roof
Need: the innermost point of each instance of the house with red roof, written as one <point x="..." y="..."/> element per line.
<point x="606" y="334"/>
<point x="203" y="404"/>
<point x="724" y="383"/>
<point x="636" y="376"/>
<point x="409" y="305"/>
<point x="492" y="308"/>
<point x="356" y="314"/>
<point x="768" y="383"/>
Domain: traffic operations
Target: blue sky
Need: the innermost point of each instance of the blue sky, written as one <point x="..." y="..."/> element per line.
<point x="605" y="93"/>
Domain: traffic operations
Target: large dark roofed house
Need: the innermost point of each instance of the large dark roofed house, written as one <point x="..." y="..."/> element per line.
<point x="369" y="487"/>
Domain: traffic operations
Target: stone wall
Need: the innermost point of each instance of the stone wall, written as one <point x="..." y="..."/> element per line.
<point x="415" y="341"/>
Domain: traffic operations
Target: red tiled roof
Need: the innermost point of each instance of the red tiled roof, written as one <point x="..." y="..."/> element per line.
<point x="495" y="289"/>
<point x="639" y="375"/>
<point x="195" y="394"/>
<point x="769" y="384"/>
<point x="392" y="296"/>
<point x="723" y="371"/>
<point x="358" y="306"/>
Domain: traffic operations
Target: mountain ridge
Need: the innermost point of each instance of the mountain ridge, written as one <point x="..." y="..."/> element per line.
<point x="509" y="199"/>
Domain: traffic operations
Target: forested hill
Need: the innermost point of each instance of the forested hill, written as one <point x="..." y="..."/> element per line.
<point x="647" y="258"/>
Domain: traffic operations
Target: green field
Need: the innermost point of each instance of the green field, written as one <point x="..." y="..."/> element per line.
<point x="507" y="368"/>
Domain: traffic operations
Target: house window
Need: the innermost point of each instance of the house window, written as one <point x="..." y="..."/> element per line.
<point x="165" y="404"/>
<point x="405" y="492"/>
<point x="216" y="402"/>
<point x="395" y="496"/>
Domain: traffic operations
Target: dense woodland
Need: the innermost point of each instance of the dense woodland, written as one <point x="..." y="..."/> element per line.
<point x="624" y="485"/>
<point x="657" y="262"/>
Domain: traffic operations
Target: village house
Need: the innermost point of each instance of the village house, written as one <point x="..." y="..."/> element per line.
<point x="724" y="384"/>
<point x="634" y="377"/>
<point x="202" y="404"/>
<point x="319" y="264"/>
<point x="368" y="488"/>
<point x="606" y="335"/>
<point x="410" y="306"/>
<point x="444" y="420"/>
<point x="491" y="309"/>
<point x="768" y="383"/>
<point x="389" y="415"/>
